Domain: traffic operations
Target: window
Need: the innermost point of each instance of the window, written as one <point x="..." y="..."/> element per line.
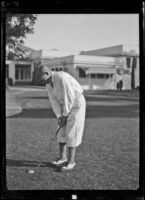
<point x="57" y="69"/>
<point x="34" y="66"/>
<point x="100" y="75"/>
<point x="23" y="72"/>
<point x="107" y="76"/>
<point x="27" y="72"/>
<point x="16" y="74"/>
<point x="134" y="63"/>
<point x="82" y="73"/>
<point x="103" y="76"/>
<point x="93" y="75"/>
<point x="128" y="62"/>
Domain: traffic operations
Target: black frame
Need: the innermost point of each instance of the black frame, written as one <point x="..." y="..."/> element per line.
<point x="77" y="7"/>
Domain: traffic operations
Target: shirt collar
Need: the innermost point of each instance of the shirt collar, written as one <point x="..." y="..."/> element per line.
<point x="52" y="78"/>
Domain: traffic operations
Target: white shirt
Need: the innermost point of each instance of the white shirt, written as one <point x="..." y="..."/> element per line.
<point x="65" y="90"/>
<point x="119" y="77"/>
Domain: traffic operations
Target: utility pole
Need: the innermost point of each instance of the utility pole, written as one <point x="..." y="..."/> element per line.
<point x="133" y="73"/>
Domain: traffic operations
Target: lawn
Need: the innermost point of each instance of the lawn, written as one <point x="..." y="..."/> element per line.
<point x="108" y="158"/>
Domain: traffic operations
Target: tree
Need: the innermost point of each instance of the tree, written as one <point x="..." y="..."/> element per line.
<point x="17" y="27"/>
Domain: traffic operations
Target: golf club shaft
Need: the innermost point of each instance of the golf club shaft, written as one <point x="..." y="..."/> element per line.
<point x="52" y="141"/>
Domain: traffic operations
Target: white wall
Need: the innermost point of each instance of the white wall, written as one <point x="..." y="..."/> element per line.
<point x="99" y="84"/>
<point x="12" y="71"/>
<point x="126" y="82"/>
<point x="93" y="83"/>
<point x="121" y="62"/>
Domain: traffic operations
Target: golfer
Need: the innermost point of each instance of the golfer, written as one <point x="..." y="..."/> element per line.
<point x="69" y="105"/>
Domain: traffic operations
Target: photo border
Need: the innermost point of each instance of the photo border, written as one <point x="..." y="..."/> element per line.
<point x="73" y="7"/>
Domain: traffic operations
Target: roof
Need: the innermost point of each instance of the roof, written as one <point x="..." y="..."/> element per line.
<point x="23" y="47"/>
<point x="54" y="53"/>
<point x="90" y="59"/>
<point x="118" y="50"/>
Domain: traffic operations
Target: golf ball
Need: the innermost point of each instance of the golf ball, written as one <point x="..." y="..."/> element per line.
<point x="31" y="171"/>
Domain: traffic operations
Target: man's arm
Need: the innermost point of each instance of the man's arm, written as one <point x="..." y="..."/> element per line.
<point x="69" y="96"/>
<point x="55" y="104"/>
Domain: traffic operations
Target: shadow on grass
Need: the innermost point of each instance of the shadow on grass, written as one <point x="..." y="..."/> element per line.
<point x="38" y="97"/>
<point x="24" y="163"/>
<point x="107" y="111"/>
<point x="110" y="99"/>
<point x="90" y="98"/>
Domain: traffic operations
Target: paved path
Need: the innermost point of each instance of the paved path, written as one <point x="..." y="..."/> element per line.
<point x="12" y="107"/>
<point x="19" y="98"/>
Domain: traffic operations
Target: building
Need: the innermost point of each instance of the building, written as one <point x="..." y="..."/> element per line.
<point x="126" y="59"/>
<point x="90" y="71"/>
<point x="95" y="69"/>
<point x="24" y="71"/>
<point x="21" y="71"/>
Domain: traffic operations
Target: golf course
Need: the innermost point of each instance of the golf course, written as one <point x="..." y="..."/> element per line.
<point x="107" y="159"/>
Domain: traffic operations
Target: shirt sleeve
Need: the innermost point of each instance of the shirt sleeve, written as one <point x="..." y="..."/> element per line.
<point x="68" y="95"/>
<point x="56" y="107"/>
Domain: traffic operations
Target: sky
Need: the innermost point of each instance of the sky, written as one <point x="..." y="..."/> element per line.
<point x="80" y="32"/>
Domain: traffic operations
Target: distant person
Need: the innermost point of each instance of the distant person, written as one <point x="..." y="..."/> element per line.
<point x="119" y="81"/>
<point x="69" y="105"/>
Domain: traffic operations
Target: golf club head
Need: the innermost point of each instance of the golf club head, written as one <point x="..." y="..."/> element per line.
<point x="50" y="144"/>
<point x="30" y="171"/>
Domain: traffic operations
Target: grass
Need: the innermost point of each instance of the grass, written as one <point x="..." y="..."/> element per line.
<point x="108" y="158"/>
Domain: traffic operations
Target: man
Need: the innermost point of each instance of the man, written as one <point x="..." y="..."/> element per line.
<point x="119" y="80"/>
<point x="69" y="105"/>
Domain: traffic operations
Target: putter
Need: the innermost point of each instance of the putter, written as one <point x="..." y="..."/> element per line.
<point x="50" y="144"/>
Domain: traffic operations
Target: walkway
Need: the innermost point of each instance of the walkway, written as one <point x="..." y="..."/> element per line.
<point x="18" y="98"/>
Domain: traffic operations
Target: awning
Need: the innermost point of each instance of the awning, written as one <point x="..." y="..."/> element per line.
<point x="99" y="70"/>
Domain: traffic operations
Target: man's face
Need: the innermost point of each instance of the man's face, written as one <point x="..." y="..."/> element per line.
<point x="45" y="76"/>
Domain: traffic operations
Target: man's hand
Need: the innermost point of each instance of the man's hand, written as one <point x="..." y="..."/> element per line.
<point x="59" y="121"/>
<point x="62" y="121"/>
